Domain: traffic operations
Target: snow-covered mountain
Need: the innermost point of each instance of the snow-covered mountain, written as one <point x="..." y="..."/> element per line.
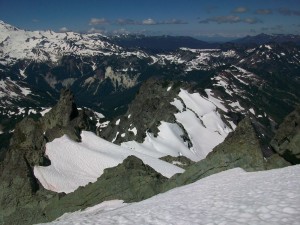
<point x="35" y="65"/>
<point x="40" y="46"/>
<point x="164" y="119"/>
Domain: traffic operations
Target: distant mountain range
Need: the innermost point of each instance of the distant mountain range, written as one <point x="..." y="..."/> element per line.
<point x="166" y="43"/>
<point x="266" y="38"/>
<point x="159" y="44"/>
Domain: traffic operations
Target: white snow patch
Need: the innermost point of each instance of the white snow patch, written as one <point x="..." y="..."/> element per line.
<point x="236" y="105"/>
<point x="215" y="101"/>
<point x="99" y="115"/>
<point x="103" y="124"/>
<point x="134" y="130"/>
<point x="232" y="124"/>
<point x="169" y="88"/>
<point x="76" y="164"/>
<point x="178" y="104"/>
<point x="268" y="47"/>
<point x="44" y="111"/>
<point x="115" y="138"/>
<point x="252" y="111"/>
<point x="22" y="73"/>
<point x="167" y="142"/>
<point x="118" y="121"/>
<point x="33" y="111"/>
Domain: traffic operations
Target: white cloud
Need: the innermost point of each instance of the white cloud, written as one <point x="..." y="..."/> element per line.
<point x="240" y="9"/>
<point x="153" y="22"/>
<point x="149" y="22"/>
<point x="98" y="21"/>
<point x="263" y="11"/>
<point x="231" y="19"/>
<point x="94" y="30"/>
<point x="121" y="31"/>
<point x="63" y="29"/>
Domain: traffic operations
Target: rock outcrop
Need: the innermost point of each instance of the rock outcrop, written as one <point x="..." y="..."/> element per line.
<point x="150" y="106"/>
<point x="286" y="141"/>
<point x="130" y="181"/>
<point x="21" y="195"/>
<point x="241" y="148"/>
<point x="180" y="161"/>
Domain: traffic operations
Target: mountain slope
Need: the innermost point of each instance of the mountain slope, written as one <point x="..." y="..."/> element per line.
<point x="234" y="197"/>
<point x="76" y="164"/>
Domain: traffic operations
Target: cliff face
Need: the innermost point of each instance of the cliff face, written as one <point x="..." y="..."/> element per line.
<point x="286" y="141"/>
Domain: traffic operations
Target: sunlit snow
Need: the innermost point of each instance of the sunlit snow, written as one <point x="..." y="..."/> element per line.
<point x="76" y="164"/>
<point x="232" y="197"/>
<point x="201" y="121"/>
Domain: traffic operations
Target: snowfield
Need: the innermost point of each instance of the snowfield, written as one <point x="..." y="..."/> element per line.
<point x="232" y="197"/>
<point x="202" y="122"/>
<point x="75" y="164"/>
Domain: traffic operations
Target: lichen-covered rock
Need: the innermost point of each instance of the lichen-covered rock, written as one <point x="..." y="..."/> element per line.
<point x="241" y="148"/>
<point x="180" y="161"/>
<point x="275" y="161"/>
<point x="286" y="141"/>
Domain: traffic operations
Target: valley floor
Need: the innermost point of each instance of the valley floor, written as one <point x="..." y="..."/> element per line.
<point x="230" y="197"/>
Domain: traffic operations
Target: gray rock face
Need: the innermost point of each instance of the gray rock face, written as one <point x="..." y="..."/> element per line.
<point x="150" y="106"/>
<point x="21" y="195"/>
<point x="275" y="161"/>
<point x="286" y="141"/>
<point x="241" y="148"/>
<point x="180" y="161"/>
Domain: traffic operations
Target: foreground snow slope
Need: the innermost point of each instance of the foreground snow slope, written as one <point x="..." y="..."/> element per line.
<point x="76" y="164"/>
<point x="231" y="197"/>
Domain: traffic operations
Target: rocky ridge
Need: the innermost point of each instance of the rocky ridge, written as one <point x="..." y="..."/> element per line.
<point x="131" y="180"/>
<point x="20" y="191"/>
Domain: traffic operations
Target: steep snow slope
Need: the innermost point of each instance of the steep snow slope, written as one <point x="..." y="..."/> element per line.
<point x="76" y="164"/>
<point x="230" y="197"/>
<point x="202" y="123"/>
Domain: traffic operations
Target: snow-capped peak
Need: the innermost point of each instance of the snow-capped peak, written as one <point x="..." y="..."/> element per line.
<point x="48" y="45"/>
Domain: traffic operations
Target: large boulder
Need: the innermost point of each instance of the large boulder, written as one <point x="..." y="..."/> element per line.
<point x="286" y="141"/>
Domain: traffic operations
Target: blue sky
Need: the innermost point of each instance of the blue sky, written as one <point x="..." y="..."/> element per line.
<point x="213" y="18"/>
